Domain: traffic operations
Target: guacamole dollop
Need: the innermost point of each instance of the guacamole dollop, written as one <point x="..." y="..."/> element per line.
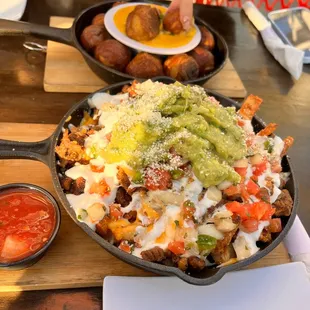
<point x="181" y="117"/>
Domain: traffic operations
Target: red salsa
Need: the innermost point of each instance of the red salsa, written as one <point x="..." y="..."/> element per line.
<point x="27" y="221"/>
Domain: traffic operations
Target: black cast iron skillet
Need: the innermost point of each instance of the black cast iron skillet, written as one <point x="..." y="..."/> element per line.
<point x="71" y="37"/>
<point x="44" y="151"/>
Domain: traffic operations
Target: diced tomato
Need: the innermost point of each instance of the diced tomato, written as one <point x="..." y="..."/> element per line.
<point x="238" y="208"/>
<point x="101" y="188"/>
<point x="254" y="178"/>
<point x="275" y="225"/>
<point x="232" y="190"/>
<point x="258" y="209"/>
<point x="260" y="168"/>
<point x="188" y="209"/>
<point x="233" y="206"/>
<point x="157" y="179"/>
<point x="249" y="225"/>
<point x="14" y="246"/>
<point x="240" y="122"/>
<point x="176" y="247"/>
<point x="124" y="246"/>
<point x="95" y="168"/>
<point x="241" y="171"/>
<point x="268" y="214"/>
<point x="115" y="211"/>
<point x="244" y="194"/>
<point x="108" y="136"/>
<point x="252" y="188"/>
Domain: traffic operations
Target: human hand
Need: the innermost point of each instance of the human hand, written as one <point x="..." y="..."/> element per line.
<point x="186" y="11"/>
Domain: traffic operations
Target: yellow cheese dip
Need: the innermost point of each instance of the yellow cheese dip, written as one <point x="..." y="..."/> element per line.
<point x="164" y="39"/>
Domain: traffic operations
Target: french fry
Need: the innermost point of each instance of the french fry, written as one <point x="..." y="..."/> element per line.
<point x="250" y="107"/>
<point x="132" y="89"/>
<point x="288" y="142"/>
<point x="268" y="130"/>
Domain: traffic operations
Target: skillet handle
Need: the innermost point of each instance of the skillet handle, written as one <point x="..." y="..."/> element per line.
<point x="13" y="28"/>
<point x="26" y="150"/>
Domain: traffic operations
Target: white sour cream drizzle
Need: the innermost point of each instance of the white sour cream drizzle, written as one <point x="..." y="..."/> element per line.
<point x="84" y="171"/>
<point x="84" y="201"/>
<point x="248" y="128"/>
<point x="99" y="99"/>
<point x="203" y="205"/>
<point x="275" y="177"/>
<point x="191" y="192"/>
<point x="96" y="141"/>
<point x="147" y="238"/>
<point x="135" y="203"/>
<point x="277" y="146"/>
<point x="245" y="243"/>
<point x="275" y="195"/>
<point x="249" y="173"/>
<point x="178" y="185"/>
<point x="108" y="119"/>
<point x="165" y="224"/>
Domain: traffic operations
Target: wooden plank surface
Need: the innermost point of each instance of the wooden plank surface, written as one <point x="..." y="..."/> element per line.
<point x="74" y="259"/>
<point x="66" y="70"/>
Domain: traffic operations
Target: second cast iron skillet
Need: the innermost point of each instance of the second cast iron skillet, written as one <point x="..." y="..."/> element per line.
<point x="71" y="37"/>
<point x="44" y="151"/>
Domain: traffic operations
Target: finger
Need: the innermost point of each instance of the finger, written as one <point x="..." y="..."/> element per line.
<point x="175" y="4"/>
<point x="186" y="13"/>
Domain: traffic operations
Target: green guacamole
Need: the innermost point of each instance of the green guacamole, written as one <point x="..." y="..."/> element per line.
<point x="182" y="117"/>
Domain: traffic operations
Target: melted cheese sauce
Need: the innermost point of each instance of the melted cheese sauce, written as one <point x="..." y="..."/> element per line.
<point x="164" y="39"/>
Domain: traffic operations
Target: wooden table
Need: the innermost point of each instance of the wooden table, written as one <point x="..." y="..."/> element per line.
<point x="23" y="100"/>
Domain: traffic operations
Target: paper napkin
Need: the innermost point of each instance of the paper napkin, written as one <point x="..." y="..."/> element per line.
<point x="297" y="243"/>
<point x="288" y="56"/>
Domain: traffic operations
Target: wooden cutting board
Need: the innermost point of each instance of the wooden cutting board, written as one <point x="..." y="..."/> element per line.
<point x="74" y="259"/>
<point x="66" y="70"/>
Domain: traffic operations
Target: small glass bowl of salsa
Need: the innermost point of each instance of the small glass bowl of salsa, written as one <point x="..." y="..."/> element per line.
<point x="29" y="222"/>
